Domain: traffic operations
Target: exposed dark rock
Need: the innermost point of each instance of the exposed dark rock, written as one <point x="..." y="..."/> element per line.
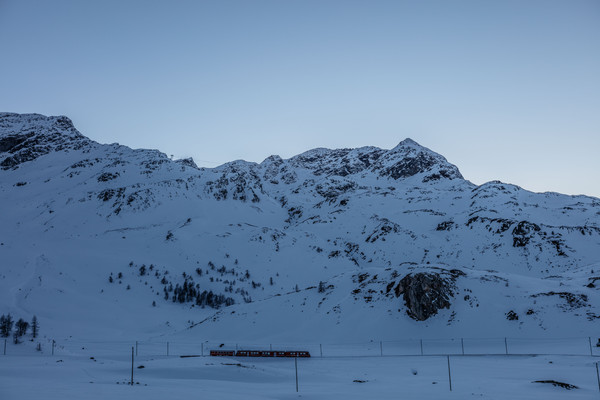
<point x="523" y="233"/>
<point x="425" y="293"/>
<point x="563" y="385"/>
<point x="512" y="316"/>
<point x="573" y="300"/>
<point x="445" y="226"/>
<point x="188" y="162"/>
<point x="32" y="136"/>
<point x="108" y="176"/>
<point x="409" y="167"/>
<point x="8" y="143"/>
<point x="106" y="194"/>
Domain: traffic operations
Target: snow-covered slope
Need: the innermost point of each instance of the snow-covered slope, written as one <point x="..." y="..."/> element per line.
<point x="103" y="241"/>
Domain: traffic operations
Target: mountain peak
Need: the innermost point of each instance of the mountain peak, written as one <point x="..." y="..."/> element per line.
<point x="409" y="158"/>
<point x="408" y="142"/>
<point x="25" y="137"/>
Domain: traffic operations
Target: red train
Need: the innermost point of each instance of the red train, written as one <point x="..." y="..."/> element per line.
<point x="259" y="353"/>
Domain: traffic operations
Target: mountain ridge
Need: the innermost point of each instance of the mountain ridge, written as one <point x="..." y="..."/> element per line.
<point x="266" y="235"/>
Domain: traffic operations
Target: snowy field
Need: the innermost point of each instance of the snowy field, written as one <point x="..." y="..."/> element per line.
<point x="93" y="376"/>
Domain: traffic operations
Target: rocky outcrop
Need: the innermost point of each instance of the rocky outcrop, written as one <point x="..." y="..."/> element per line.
<point x="24" y="138"/>
<point x="425" y="293"/>
<point x="188" y="162"/>
<point x="523" y="233"/>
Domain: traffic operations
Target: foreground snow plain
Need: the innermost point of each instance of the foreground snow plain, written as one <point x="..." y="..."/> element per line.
<point x="371" y="377"/>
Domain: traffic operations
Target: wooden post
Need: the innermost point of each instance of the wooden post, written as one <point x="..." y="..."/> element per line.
<point x="449" y="375"/>
<point x="296" y="365"/>
<point x="321" y="348"/>
<point x="53" y="342"/>
<point x="462" y="344"/>
<point x="167" y="349"/>
<point x="506" y="346"/>
<point x="4" y="346"/>
<point x="131" y="365"/>
<point x="381" y="348"/>
<point x="598" y="377"/>
<point x="421" y="346"/>
<point x="590" y="340"/>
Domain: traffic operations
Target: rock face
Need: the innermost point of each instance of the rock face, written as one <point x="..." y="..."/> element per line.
<point x="33" y="135"/>
<point x="425" y="294"/>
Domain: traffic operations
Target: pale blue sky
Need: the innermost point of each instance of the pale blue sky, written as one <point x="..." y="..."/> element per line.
<point x="506" y="90"/>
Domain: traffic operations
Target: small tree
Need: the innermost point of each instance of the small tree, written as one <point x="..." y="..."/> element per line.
<point x="321" y="287"/>
<point x="35" y="326"/>
<point x="6" y="324"/>
<point x="21" y="326"/>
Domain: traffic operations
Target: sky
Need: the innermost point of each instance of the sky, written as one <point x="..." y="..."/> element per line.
<point x="506" y="90"/>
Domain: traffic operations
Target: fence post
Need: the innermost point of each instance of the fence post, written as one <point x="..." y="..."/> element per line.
<point x="131" y="365"/>
<point x="598" y="377"/>
<point x="421" y="346"/>
<point x="506" y="346"/>
<point x="296" y="365"/>
<point x="462" y="345"/>
<point x="167" y="349"/>
<point x="449" y="375"/>
<point x="590" y="340"/>
<point x="53" y="342"/>
<point x="4" y="346"/>
<point x="381" y="348"/>
<point x="321" y="348"/>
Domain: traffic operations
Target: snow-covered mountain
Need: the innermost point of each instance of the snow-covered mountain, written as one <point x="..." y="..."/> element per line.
<point x="104" y="241"/>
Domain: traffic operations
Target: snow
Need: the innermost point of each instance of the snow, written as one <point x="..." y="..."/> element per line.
<point x="388" y="377"/>
<point x="75" y="212"/>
